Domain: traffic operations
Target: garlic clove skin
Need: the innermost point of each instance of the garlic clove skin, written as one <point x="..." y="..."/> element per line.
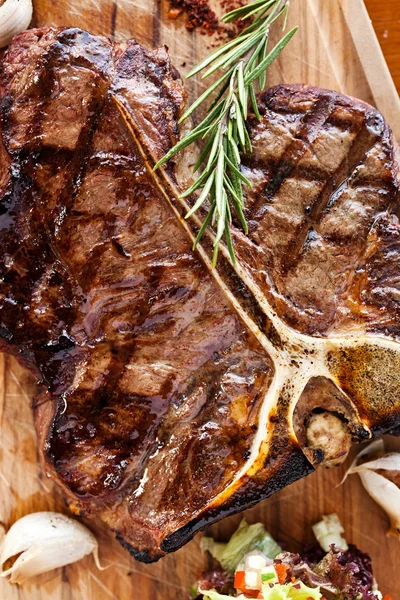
<point x="15" y="16"/>
<point x="386" y="494"/>
<point x="389" y="462"/>
<point x="45" y="541"/>
<point x="25" y="566"/>
<point x="377" y="448"/>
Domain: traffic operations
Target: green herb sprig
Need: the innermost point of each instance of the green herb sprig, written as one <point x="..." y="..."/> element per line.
<point x="243" y="62"/>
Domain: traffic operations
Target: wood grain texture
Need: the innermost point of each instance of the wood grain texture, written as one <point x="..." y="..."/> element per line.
<point x="325" y="52"/>
<point x="386" y="21"/>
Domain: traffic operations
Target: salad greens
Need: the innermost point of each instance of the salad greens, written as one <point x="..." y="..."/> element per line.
<point x="213" y="595"/>
<point x="245" y="539"/>
<point x="294" y="592"/>
<point x="254" y="566"/>
<point x="278" y="592"/>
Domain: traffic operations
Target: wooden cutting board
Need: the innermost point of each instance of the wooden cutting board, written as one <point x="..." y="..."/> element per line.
<point x="335" y="48"/>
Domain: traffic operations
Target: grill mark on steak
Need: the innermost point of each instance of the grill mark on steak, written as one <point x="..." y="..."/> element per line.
<point x="156" y="28"/>
<point x="311" y="123"/>
<point x="51" y="354"/>
<point x="122" y="353"/>
<point x="138" y="63"/>
<point x="274" y="228"/>
<point x="89" y="447"/>
<point x="114" y="11"/>
<point x="334" y="187"/>
<point x="78" y="163"/>
<point x="20" y="193"/>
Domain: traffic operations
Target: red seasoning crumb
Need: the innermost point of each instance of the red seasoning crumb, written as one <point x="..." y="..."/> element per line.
<point x="201" y="16"/>
<point x="229" y="5"/>
<point x="174" y="13"/>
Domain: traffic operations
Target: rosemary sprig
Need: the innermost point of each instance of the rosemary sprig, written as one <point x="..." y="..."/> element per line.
<point x="243" y="62"/>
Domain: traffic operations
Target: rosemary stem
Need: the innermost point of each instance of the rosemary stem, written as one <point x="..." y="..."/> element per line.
<point x="242" y="62"/>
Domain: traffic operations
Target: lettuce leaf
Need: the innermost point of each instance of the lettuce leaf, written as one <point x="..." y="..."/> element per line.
<point x="277" y="592"/>
<point x="214" y="595"/>
<point x="289" y="592"/>
<point x="246" y="538"/>
<point x="216" y="549"/>
<point x="350" y="572"/>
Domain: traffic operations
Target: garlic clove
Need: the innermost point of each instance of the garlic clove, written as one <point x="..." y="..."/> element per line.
<point x="389" y="462"/>
<point x="15" y="16"/>
<point x="25" y="566"/>
<point x="377" y="447"/>
<point x="386" y="494"/>
<point x="380" y="488"/>
<point x="44" y="541"/>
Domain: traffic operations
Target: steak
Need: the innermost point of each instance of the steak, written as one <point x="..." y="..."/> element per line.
<point x="172" y="394"/>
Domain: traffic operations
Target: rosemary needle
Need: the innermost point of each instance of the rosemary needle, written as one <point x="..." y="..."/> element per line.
<point x="243" y="63"/>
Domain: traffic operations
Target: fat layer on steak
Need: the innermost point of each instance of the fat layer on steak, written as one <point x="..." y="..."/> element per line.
<point x="172" y="394"/>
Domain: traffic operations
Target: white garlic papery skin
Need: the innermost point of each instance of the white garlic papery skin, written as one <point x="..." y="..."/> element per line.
<point x="386" y="494"/>
<point x="44" y="541"/>
<point x="15" y="16"/>
<point x="380" y="488"/>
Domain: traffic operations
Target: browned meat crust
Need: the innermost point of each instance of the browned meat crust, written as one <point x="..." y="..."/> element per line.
<point x="157" y="375"/>
<point x="323" y="211"/>
<point x="150" y="374"/>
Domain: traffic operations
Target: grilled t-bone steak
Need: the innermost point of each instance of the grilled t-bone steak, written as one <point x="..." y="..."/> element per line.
<point x="172" y="394"/>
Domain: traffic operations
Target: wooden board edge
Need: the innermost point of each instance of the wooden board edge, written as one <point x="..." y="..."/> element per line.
<point x="373" y="61"/>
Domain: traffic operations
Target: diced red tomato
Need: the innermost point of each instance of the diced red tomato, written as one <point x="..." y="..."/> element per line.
<point x="250" y="593"/>
<point x="387" y="597"/>
<point x="240" y="585"/>
<point x="281" y="571"/>
<point x="239" y="580"/>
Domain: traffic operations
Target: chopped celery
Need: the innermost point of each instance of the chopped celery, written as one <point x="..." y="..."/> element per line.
<point x="246" y="538"/>
<point x="268" y="577"/>
<point x="328" y="531"/>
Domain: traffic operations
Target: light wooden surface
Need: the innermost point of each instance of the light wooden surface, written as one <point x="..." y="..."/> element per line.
<point x="328" y="51"/>
<point x="386" y="21"/>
